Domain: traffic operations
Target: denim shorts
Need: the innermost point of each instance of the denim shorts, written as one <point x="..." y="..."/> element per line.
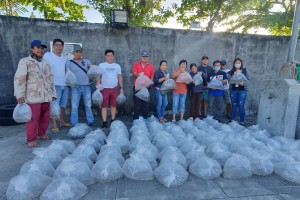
<point x="62" y="95"/>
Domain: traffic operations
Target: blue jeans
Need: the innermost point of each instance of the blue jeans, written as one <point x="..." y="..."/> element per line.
<point x="161" y="103"/>
<point x="178" y="99"/>
<point x="85" y="91"/>
<point x="238" y="99"/>
<point x="62" y="95"/>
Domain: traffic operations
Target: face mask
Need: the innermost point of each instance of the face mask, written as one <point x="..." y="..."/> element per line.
<point x="217" y="68"/>
<point x="237" y="66"/>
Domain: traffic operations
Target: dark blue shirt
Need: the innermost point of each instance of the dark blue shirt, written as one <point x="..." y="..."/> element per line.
<point x="158" y="75"/>
<point x="222" y="75"/>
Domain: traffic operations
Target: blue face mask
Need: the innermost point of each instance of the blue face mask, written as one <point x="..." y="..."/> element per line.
<point x="217" y="68"/>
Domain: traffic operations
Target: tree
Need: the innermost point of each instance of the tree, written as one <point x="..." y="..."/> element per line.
<point x="12" y="8"/>
<point x="239" y="15"/>
<point x="140" y="12"/>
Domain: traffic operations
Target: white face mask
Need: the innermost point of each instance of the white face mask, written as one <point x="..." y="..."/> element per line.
<point x="237" y="66"/>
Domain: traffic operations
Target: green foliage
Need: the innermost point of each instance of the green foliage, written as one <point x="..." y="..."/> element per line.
<point x="239" y="15"/>
<point x="12" y="8"/>
<point x="140" y="12"/>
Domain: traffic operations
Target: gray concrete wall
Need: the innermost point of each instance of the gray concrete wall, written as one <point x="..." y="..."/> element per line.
<point x="262" y="55"/>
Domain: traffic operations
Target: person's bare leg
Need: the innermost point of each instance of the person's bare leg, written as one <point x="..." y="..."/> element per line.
<point x="113" y="112"/>
<point x="228" y="109"/>
<point x="62" y="116"/>
<point x="205" y="103"/>
<point x="104" y="114"/>
<point x="181" y="115"/>
<point x="54" y="124"/>
<point x="174" y="117"/>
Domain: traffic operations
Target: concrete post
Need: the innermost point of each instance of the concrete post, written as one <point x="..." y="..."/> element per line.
<point x="295" y="32"/>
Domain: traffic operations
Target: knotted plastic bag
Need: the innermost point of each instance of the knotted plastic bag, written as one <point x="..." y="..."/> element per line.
<point x="107" y="169"/>
<point x="121" y="99"/>
<point x="80" y="130"/>
<point x="22" y="113"/>
<point x="94" y="72"/>
<point x="167" y="86"/>
<point x="215" y="84"/>
<point x="197" y="79"/>
<point x="237" y="167"/>
<point x="70" y="79"/>
<point x="137" y="168"/>
<point x="143" y="94"/>
<point x="38" y="165"/>
<point x="238" y="78"/>
<point x="54" y="110"/>
<point x="97" y="98"/>
<point x="184" y="77"/>
<point x="142" y="82"/>
<point x="206" y="168"/>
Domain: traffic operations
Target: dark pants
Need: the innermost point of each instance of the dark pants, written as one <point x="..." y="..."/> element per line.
<point x="140" y="107"/>
<point x="195" y="104"/>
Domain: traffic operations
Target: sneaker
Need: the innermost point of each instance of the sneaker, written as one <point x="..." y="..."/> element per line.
<point x="104" y="125"/>
<point x="242" y="123"/>
<point x="111" y="121"/>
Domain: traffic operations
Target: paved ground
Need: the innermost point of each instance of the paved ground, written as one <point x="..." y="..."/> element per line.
<point x="14" y="154"/>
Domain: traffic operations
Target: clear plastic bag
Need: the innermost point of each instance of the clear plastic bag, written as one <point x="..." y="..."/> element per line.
<point x="86" y="151"/>
<point x="22" y="113"/>
<point x="54" y="110"/>
<point x="66" y="188"/>
<point x="238" y="78"/>
<point x="38" y="165"/>
<point x="76" y="169"/>
<point x="27" y="186"/>
<point x="184" y="77"/>
<point x="143" y="94"/>
<point x="94" y="72"/>
<point x="142" y="82"/>
<point x="71" y="79"/>
<point x="107" y="169"/>
<point x="193" y="156"/>
<point x="58" y="148"/>
<point x="218" y="152"/>
<point x="237" y="167"/>
<point x="173" y="154"/>
<point x="91" y="142"/>
<point x="80" y="130"/>
<point x="168" y="85"/>
<point x="121" y="99"/>
<point x="49" y="155"/>
<point x="215" y="84"/>
<point x="288" y="170"/>
<point x="197" y="79"/>
<point x="170" y="174"/>
<point x="206" y="168"/>
<point x="97" y="98"/>
<point x="77" y="158"/>
<point x="189" y="144"/>
<point x="69" y="146"/>
<point x="113" y="154"/>
<point x="137" y="168"/>
<point x="262" y="166"/>
<point x="98" y="135"/>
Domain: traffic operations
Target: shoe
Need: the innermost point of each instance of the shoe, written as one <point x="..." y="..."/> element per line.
<point x="92" y="124"/>
<point x="242" y="123"/>
<point x="111" y="121"/>
<point x="66" y="124"/>
<point x="104" y="125"/>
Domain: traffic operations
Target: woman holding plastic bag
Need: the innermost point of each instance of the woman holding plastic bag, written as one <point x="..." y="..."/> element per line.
<point x="33" y="84"/>
<point x="238" y="89"/>
<point x="179" y="94"/>
<point x="160" y="76"/>
<point x="196" y="91"/>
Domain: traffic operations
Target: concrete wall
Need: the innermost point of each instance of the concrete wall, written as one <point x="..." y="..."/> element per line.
<point x="262" y="55"/>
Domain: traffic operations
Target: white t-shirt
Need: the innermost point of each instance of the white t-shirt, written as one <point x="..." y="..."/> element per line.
<point x="58" y="66"/>
<point x="110" y="74"/>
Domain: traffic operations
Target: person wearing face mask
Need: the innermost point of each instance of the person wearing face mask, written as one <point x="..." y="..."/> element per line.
<point x="238" y="91"/>
<point x="34" y="84"/>
<point x="215" y="96"/>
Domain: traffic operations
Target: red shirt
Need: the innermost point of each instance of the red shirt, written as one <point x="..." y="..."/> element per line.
<point x="181" y="87"/>
<point x="148" y="70"/>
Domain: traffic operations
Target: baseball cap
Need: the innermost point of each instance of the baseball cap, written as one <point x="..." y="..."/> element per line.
<point x="144" y="54"/>
<point x="223" y="62"/>
<point x="37" y="43"/>
<point x="205" y="57"/>
<point x="77" y="48"/>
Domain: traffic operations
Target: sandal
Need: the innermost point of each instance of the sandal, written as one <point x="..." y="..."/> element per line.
<point x="55" y="130"/>
<point x="32" y="144"/>
<point x="66" y="124"/>
<point x="44" y="137"/>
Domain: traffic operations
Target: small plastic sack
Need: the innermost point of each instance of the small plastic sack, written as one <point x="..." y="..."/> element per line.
<point x="27" y="186"/>
<point x="168" y="85"/>
<point x="49" y="155"/>
<point x="78" y="169"/>
<point x="197" y="79"/>
<point x="171" y="174"/>
<point x="97" y="98"/>
<point x="184" y="77"/>
<point x="69" y="146"/>
<point x="262" y="166"/>
<point x="218" y="152"/>
<point x="80" y="130"/>
<point x="189" y="144"/>
<point x="237" y="167"/>
<point x="91" y="142"/>
<point x="71" y="79"/>
<point x="94" y="72"/>
<point x="22" y="113"/>
<point x="142" y="82"/>
<point x="66" y="188"/>
<point x="86" y="151"/>
<point x="238" y="78"/>
<point x="288" y="170"/>
<point x="98" y="135"/>
<point x="173" y="154"/>
<point x="123" y="143"/>
<point x="106" y="169"/>
<point x="58" y="148"/>
<point x="215" y="84"/>
<point x="137" y="168"/>
<point x="193" y="155"/>
<point x="54" y="110"/>
<point x="121" y="99"/>
<point x="77" y="158"/>
<point x="143" y="94"/>
<point x="206" y="168"/>
<point x="38" y="165"/>
<point x="113" y="154"/>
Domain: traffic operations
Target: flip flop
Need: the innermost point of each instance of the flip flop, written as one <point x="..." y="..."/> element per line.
<point x="66" y="125"/>
<point x="55" y="130"/>
<point x="44" y="137"/>
<point x="32" y="144"/>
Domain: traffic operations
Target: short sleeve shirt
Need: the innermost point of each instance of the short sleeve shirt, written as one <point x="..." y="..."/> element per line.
<point x="148" y="69"/>
<point x="110" y="74"/>
<point x="58" y="67"/>
<point x="222" y="75"/>
<point x="82" y="78"/>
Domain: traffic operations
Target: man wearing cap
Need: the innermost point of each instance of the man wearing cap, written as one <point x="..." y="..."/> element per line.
<point x="140" y="107"/>
<point x="58" y="65"/>
<point x="79" y="67"/>
<point x="227" y="100"/>
<point x="207" y="72"/>
<point x="34" y="85"/>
